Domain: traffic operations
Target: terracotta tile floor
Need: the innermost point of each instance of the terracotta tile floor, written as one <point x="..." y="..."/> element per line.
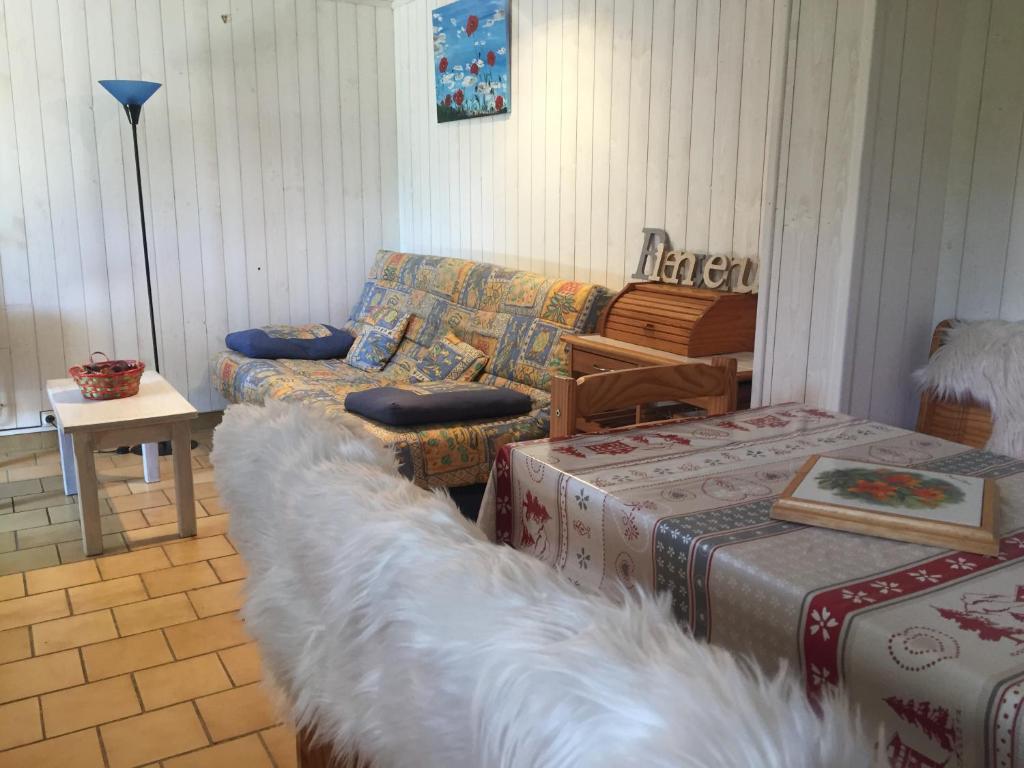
<point x="136" y="657"/>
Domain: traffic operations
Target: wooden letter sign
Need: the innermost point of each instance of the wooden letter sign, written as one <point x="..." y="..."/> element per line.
<point x="658" y="264"/>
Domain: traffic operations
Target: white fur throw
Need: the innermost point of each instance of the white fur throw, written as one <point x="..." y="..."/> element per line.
<point x="398" y="632"/>
<point x="985" y="361"/>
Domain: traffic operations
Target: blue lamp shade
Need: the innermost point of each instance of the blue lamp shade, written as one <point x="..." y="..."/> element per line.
<point x="131" y="93"/>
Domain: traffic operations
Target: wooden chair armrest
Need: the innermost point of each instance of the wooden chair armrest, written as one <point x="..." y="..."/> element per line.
<point x="573" y="400"/>
<point x="563" y="406"/>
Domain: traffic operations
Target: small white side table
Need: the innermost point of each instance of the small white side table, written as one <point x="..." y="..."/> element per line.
<point x="155" y="414"/>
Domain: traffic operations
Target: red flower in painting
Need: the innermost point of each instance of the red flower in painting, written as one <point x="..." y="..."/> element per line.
<point x="459" y="97"/>
<point x="472" y="23"/>
<point x="929" y="494"/>
<point x="448" y="100"/>
<point x="474" y="68"/>
<point x="879" y="490"/>
<point x="903" y="479"/>
<point x="442" y="65"/>
<point x="499" y="102"/>
<point x="490" y="58"/>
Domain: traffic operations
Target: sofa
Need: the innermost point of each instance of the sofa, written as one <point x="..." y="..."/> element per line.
<point x="517" y="318"/>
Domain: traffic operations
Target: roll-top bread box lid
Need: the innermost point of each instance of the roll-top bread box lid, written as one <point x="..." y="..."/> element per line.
<point x="694" y="322"/>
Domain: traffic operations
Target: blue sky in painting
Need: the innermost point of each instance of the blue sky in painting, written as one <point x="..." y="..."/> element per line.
<point x="483" y="89"/>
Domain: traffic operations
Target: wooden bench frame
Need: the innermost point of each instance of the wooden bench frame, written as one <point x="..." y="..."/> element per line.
<point x="574" y="402"/>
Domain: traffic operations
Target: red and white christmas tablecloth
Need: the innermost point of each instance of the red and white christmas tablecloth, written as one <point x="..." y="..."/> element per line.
<point x="929" y="642"/>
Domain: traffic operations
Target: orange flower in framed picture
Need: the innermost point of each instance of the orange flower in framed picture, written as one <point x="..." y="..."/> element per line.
<point x="953" y="511"/>
<point x="908" y="490"/>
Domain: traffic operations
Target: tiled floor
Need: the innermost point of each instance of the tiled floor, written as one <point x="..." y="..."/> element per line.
<point x="134" y="658"/>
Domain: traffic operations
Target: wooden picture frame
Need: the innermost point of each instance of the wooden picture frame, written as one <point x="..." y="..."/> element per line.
<point x="982" y="539"/>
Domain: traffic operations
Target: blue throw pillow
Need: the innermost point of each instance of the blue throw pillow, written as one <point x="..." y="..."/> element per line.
<point x="437" y="402"/>
<point x="378" y="341"/>
<point x="314" y="341"/>
<point x="452" y="359"/>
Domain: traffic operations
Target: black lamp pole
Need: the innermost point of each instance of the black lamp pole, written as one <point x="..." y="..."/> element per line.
<point x="132" y="94"/>
<point x="134" y="111"/>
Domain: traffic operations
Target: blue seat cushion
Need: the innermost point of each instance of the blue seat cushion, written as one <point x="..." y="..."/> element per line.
<point x="315" y="341"/>
<point x="436" y="402"/>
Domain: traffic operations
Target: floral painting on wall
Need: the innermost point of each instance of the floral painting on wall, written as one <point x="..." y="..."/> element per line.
<point x="471" y="59"/>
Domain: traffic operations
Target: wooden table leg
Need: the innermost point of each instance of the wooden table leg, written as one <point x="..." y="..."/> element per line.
<point x="88" y="494"/>
<point x="181" y="444"/>
<point x="67" y="463"/>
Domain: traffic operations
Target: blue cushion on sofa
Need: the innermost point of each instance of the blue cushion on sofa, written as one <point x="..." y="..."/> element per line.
<point x="315" y="341"/>
<point x="378" y="341"/>
<point x="437" y="402"/>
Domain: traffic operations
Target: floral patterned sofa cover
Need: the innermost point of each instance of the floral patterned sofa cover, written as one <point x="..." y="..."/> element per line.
<point x="516" y="317"/>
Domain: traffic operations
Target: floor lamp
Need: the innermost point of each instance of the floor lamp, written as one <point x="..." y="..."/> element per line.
<point x="132" y="94"/>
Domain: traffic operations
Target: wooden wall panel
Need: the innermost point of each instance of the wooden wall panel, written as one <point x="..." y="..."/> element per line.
<point x="269" y="168"/>
<point x="904" y="189"/>
<point x="944" y="231"/>
<point x="811" y="221"/>
<point x="994" y="182"/>
<point x="842" y="208"/>
<point x="625" y="114"/>
<point x="215" y="320"/>
<point x="1011" y="305"/>
<point x="29" y="229"/>
<point x="872" y="149"/>
<point x="634" y="113"/>
<point x="312" y="158"/>
<point x="20" y="332"/>
<point x="935" y="163"/>
<point x="796" y="259"/>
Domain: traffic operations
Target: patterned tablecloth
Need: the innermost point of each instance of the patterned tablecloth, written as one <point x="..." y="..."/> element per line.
<point x="929" y="642"/>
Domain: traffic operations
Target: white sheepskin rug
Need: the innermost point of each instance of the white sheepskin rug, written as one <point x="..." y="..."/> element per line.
<point x="399" y="633"/>
<point x="984" y="360"/>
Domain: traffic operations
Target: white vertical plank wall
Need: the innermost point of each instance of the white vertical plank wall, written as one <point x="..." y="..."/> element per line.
<point x="869" y="153"/>
<point x="270" y="168"/>
<point x="618" y="122"/>
<point x="660" y="113"/>
<point x="814" y="260"/>
<point x="945" y="228"/>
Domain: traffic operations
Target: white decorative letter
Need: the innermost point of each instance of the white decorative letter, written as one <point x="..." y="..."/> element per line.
<point x="719" y="265"/>
<point x="654" y="239"/>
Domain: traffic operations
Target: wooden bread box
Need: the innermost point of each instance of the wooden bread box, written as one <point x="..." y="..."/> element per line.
<point x="693" y="322"/>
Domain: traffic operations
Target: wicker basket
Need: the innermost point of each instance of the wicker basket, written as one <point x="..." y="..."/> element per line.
<point x="963" y="421"/>
<point x="107" y="379"/>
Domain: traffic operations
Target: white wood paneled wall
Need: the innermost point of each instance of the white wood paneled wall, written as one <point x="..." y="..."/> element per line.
<point x="983" y="229"/>
<point x="806" y="314"/>
<point x="869" y="153"/>
<point x="268" y="160"/>
<point x="945" y="230"/>
<point x="625" y="114"/>
<point x="736" y="125"/>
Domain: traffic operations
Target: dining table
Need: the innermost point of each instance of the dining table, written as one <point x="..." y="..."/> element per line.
<point x="927" y="642"/>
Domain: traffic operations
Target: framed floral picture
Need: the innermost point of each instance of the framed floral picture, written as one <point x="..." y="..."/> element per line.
<point x="907" y="504"/>
<point x="471" y="72"/>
